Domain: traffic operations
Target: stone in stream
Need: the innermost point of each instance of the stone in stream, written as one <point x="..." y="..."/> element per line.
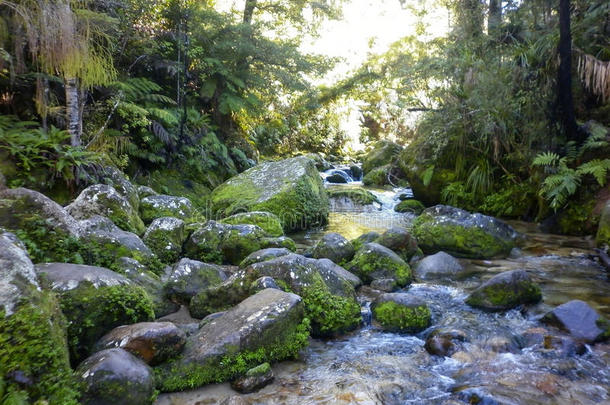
<point x="114" y="376"/>
<point x="373" y="262"/>
<point x="377" y="176"/>
<point x="444" y="342"/>
<point x="385" y="284"/>
<point x="334" y="247"/>
<point x="462" y="234"/>
<point x="291" y="189"/>
<point x="505" y="291"/>
<point x="438" y="265"/>
<point x="188" y="277"/>
<point x="268" y="326"/>
<point x="400" y="312"/>
<point x="356" y="172"/>
<point x="400" y="241"/>
<point x="165" y="237"/>
<point x="153" y="342"/>
<point x="279" y="242"/>
<point x="580" y="320"/>
<point x="337" y="178"/>
<point x="412" y="206"/>
<point x="267" y="221"/>
<point x="254" y="379"/>
<point x="264" y="255"/>
<point x="104" y="200"/>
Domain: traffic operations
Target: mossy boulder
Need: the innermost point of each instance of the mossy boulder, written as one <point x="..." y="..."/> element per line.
<point x="94" y="300"/>
<point x="188" y="277"/>
<point x="505" y="291"/>
<point x="165" y="237"/>
<point x="399" y="312"/>
<point x="267" y="221"/>
<point x="377" y="176"/>
<point x="374" y="261"/>
<point x="383" y="153"/>
<point x="114" y="177"/>
<point x="365" y="238"/>
<point x="114" y="376"/>
<point x="216" y="242"/>
<point x="291" y="189"/>
<point x="159" y="206"/>
<point x="603" y="231"/>
<point x="268" y="326"/>
<point x="410" y="206"/>
<point x="463" y="234"/>
<point x="281" y="242"/>
<point x="346" y="196"/>
<point x="34" y="360"/>
<point x="254" y="379"/>
<point x="178" y="182"/>
<point x="264" y="255"/>
<point x="104" y="200"/>
<point x="334" y="247"/>
<point x="401" y="242"/>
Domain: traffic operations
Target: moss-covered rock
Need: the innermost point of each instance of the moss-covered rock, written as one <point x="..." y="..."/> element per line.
<point x="177" y="182"/>
<point x="165" y="237"/>
<point x="399" y="312"/>
<point x="104" y="200"/>
<point x="373" y="262"/>
<point x="159" y="206"/>
<point x="353" y="195"/>
<point x="462" y="234"/>
<point x="268" y="326"/>
<point x="264" y="255"/>
<point x="282" y="242"/>
<point x="267" y="221"/>
<point x="114" y="177"/>
<point x="145" y="191"/>
<point x="603" y="230"/>
<point x="94" y="300"/>
<point x="34" y="361"/>
<point x="400" y="241"/>
<point x="254" y="379"/>
<point x="291" y="189"/>
<point x="334" y="247"/>
<point x="505" y="291"/>
<point x="188" y="277"/>
<point x="364" y="238"/>
<point x="383" y="153"/>
<point x="377" y="176"/>
<point x="411" y="206"/>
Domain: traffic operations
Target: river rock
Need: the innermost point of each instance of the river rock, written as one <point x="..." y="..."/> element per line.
<point x="264" y="255"/>
<point x="159" y="206"/>
<point x="365" y="238"/>
<point x="338" y="177"/>
<point x="399" y="312"/>
<point x="385" y="284"/>
<point x="374" y="261"/>
<point x="580" y="320"/>
<point x="114" y="177"/>
<point x="280" y="242"/>
<point x="411" y="206"/>
<point x="437" y="265"/>
<point x="153" y="342"/>
<point x="462" y="234"/>
<point x="444" y="342"/>
<point x="603" y="231"/>
<point x="254" y="379"/>
<point x="114" y="376"/>
<point x="377" y="176"/>
<point x="505" y="291"/>
<point x="382" y="154"/>
<point x="268" y="323"/>
<point x="267" y="221"/>
<point x="291" y="189"/>
<point x="165" y="237"/>
<point x="188" y="277"/>
<point x="94" y="301"/>
<point x="400" y="241"/>
<point x="104" y="200"/>
<point x="18" y="279"/>
<point x="351" y="198"/>
<point x="356" y="172"/>
<point x="334" y="247"/>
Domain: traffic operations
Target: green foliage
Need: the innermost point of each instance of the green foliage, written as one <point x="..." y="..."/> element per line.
<point x="393" y="316"/>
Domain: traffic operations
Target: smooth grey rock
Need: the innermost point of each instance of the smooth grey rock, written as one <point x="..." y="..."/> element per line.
<point x="264" y="255"/>
<point x="188" y="277"/>
<point x="440" y="264"/>
<point x="400" y="241"/>
<point x="579" y="320"/>
<point x="335" y="247"/>
<point x="103" y="232"/>
<point x="17" y="275"/>
<point x="67" y="276"/>
<point x="263" y="283"/>
<point x="384" y="284"/>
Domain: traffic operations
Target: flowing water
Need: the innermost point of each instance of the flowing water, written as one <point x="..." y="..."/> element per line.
<point x="493" y="366"/>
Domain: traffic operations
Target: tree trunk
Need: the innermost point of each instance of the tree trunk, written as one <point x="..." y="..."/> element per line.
<point x="564" y="78"/>
<point x="249" y="11"/>
<point x="73" y="116"/>
<point x="494" y="19"/>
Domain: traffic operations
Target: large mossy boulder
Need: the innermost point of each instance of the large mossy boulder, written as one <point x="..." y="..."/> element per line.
<point x="114" y="376"/>
<point x="603" y="231"/>
<point x="267" y="221"/>
<point x="165" y="237"/>
<point x="335" y="247"/>
<point x="399" y="312"/>
<point x="504" y="291"/>
<point x="401" y="242"/>
<point x="580" y="320"/>
<point x="291" y="189"/>
<point x="383" y="153"/>
<point x="114" y="177"/>
<point x="462" y="234"/>
<point x="33" y="347"/>
<point x="104" y="200"/>
<point x="94" y="300"/>
<point x="159" y="206"/>
<point x="268" y="326"/>
<point x="188" y="277"/>
<point x="376" y="262"/>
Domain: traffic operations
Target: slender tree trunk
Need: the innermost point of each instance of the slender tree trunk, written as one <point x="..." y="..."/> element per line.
<point x="74" y="123"/>
<point x="494" y="19"/>
<point x="249" y="11"/>
<point x="564" y="78"/>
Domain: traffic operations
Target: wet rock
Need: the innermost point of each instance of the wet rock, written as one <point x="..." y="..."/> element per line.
<point x="334" y="247"/>
<point x="153" y="342"/>
<point x="104" y="200"/>
<point x="159" y="206"/>
<point x="183" y="320"/>
<point x="114" y="177"/>
<point x="505" y="291"/>
<point x="254" y="379"/>
<point x="385" y="284"/>
<point x="382" y="154"/>
<point x="373" y="262"/>
<point x="234" y="400"/>
<point x="377" y="176"/>
<point x="603" y="230"/>
<point x="443" y="342"/>
<point x="280" y="242"/>
<point x="188" y="277"/>
<point x="400" y="241"/>
<point x="262" y="283"/>
<point x="479" y="397"/>
<point x="165" y="237"/>
<point x="399" y="312"/>
<point x="501" y="344"/>
<point x="264" y="255"/>
<point x="18" y="279"/>
<point x="459" y="233"/>
<point x="356" y="172"/>
<point x="267" y="221"/>
<point x="114" y="376"/>
<point x="291" y="189"/>
<point x="145" y="191"/>
<point x="580" y="320"/>
<point x="410" y="206"/>
<point x="437" y="265"/>
<point x="365" y="238"/>
<point x="268" y="323"/>
<point x="337" y="178"/>
<point x="548" y="343"/>
<point x="349" y="198"/>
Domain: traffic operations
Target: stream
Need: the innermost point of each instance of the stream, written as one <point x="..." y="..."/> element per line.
<point x="493" y="366"/>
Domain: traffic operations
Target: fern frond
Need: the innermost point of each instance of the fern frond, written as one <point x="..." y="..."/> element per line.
<point x="546" y="159"/>
<point x="597" y="168"/>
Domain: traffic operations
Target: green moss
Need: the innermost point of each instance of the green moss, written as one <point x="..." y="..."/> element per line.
<point x="578" y="218"/>
<point x="281" y="242"/>
<point x="603" y="231"/>
<point x="33" y="343"/>
<point x="259" y="370"/>
<point x="174" y="182"/>
<point x="357" y="195"/>
<point x="376" y="177"/>
<point x="382" y="154"/>
<point x="178" y="376"/>
<point x="166" y="244"/>
<point x="93" y="312"/>
<point x="500" y="296"/>
<point x="236" y="245"/>
<point x="268" y="222"/>
<point x="220" y="298"/>
<point x="364" y="265"/>
<point x="412" y="206"/>
<point x="393" y="316"/>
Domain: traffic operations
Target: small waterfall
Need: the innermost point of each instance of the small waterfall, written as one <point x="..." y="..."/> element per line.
<point x="343" y="175"/>
<point x="366" y="313"/>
